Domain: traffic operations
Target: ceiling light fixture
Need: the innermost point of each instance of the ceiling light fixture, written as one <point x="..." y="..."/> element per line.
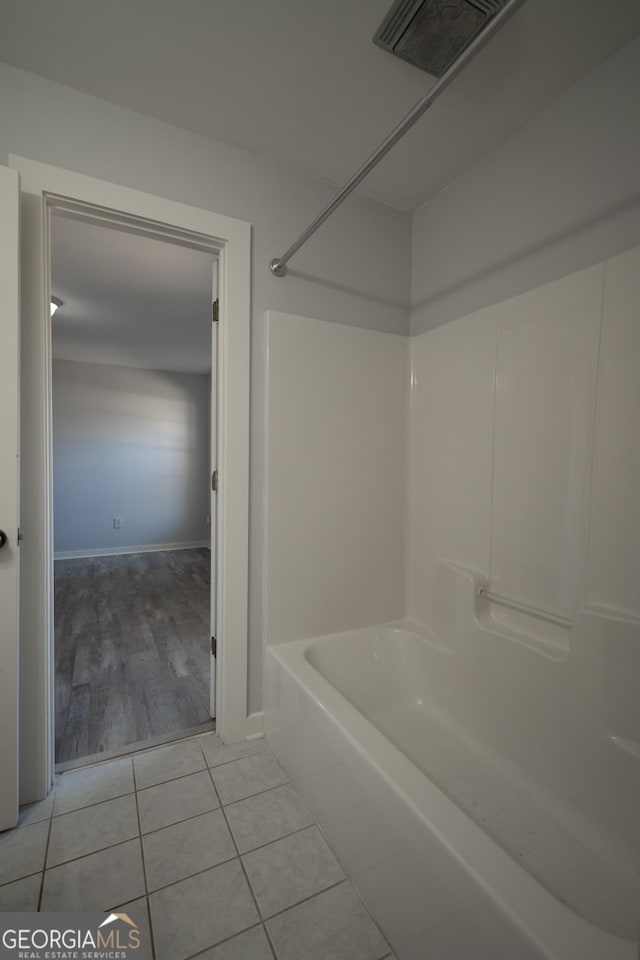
<point x="55" y="303"/>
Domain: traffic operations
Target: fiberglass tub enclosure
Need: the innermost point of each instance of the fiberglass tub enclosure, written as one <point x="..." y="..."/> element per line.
<point x="473" y="759"/>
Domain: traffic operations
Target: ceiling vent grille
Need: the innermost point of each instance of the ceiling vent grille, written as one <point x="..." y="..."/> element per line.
<point x="431" y="34"/>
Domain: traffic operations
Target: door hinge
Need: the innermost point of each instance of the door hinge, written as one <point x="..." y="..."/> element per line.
<point x="214" y="481"/>
<point x="215" y="311"/>
<point x="214" y="647"/>
<point x="20" y="536"/>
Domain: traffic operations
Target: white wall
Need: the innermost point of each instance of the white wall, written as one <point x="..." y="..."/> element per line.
<point x="450" y="453"/>
<point x="133" y="444"/>
<point x="356" y="270"/>
<point x="335" y="496"/>
<point x="561" y="194"/>
<point x="524" y="462"/>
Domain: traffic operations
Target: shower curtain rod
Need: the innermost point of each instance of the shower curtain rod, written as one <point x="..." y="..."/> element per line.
<point x="278" y="264"/>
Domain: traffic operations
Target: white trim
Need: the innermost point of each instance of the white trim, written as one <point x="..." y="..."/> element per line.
<point x="123" y="551"/>
<point x="255" y="726"/>
<point x="9" y="498"/>
<point x="213" y="494"/>
<point x="43" y="188"/>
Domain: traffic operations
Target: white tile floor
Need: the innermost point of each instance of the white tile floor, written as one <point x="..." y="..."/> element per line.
<point x="210" y="846"/>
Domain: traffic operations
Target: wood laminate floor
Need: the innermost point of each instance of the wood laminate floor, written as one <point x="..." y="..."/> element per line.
<point x="131" y="649"/>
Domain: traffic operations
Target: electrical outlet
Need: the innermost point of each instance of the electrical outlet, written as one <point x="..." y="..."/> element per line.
<point x="117" y="523"/>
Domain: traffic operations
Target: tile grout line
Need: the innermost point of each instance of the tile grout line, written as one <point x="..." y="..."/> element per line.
<point x="96" y="803"/>
<point x="278" y="786"/>
<point x="110" y="846"/>
<point x="311" y="896"/>
<point x="269" y="940"/>
<point x="34" y="873"/>
<point x="174" y="823"/>
<point x="46" y="854"/>
<point x="189" y="876"/>
<point x="150" y="786"/>
<point x="248" y="756"/>
<point x="242" y="866"/>
<point x="285" y="836"/>
<point x="89" y="806"/>
<point x="251" y="795"/>
<point x="144" y="865"/>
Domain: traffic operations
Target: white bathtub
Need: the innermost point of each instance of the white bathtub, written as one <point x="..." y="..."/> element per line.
<point x="457" y="850"/>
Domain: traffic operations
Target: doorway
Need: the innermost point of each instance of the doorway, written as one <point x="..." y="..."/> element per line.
<point x="133" y="356"/>
<point x="45" y="189"/>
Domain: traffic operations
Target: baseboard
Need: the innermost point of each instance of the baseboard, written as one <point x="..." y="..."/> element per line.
<point x="120" y="551"/>
<point x="255" y="726"/>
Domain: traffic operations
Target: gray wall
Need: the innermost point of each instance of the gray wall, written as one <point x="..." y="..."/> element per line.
<point x="561" y="194"/>
<point x="356" y="270"/>
<point x="133" y="444"/>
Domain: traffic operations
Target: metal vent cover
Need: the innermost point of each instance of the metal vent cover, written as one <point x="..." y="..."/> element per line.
<point x="431" y="34"/>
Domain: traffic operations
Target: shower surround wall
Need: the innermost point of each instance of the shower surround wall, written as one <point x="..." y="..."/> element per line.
<point x="335" y="491"/>
<point x="521" y="456"/>
<point x="524" y="464"/>
<point x="502" y="420"/>
<point x="523" y="471"/>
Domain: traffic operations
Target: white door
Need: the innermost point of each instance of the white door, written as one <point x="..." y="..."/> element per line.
<point x="9" y="566"/>
<point x="213" y="503"/>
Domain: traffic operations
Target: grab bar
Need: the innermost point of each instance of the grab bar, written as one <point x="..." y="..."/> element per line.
<point x="523" y="608"/>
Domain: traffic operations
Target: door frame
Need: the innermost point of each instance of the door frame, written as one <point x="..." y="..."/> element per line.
<point x="45" y="188"/>
<point x="10" y="496"/>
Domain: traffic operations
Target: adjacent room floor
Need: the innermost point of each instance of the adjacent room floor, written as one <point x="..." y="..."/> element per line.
<point x="132" y="643"/>
<point x="206" y="848"/>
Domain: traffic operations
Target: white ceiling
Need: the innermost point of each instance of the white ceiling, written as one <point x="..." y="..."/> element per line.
<point x="129" y="300"/>
<point x="301" y="83"/>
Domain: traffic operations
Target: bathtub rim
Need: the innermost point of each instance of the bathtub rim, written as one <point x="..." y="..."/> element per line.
<point x="535" y="912"/>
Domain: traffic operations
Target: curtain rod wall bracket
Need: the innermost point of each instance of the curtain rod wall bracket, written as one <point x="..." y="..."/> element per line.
<point x="277" y="269"/>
